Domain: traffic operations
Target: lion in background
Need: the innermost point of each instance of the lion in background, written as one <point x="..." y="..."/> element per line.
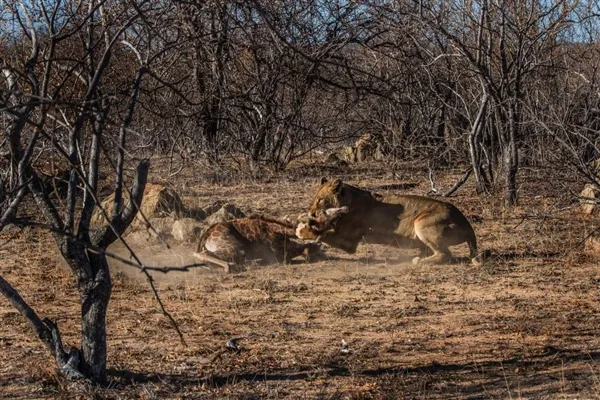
<point x="406" y="221"/>
<point x="369" y="146"/>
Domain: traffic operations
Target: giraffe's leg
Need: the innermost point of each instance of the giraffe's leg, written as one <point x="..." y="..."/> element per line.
<point x="205" y="256"/>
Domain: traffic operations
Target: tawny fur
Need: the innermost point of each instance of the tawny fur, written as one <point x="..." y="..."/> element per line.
<point x="407" y="221"/>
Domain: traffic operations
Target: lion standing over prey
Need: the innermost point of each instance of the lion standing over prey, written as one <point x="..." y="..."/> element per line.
<point x="407" y="221"/>
<point x="230" y="243"/>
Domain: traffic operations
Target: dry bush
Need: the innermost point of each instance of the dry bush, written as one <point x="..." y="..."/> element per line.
<point x="159" y="202"/>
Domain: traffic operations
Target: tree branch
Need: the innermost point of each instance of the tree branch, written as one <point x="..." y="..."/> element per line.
<point x="122" y="135"/>
<point x="42" y="332"/>
<point x="121" y="221"/>
<point x="435" y="192"/>
<point x="11" y="211"/>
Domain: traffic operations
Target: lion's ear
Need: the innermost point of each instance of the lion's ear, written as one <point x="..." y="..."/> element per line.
<point x="336" y="185"/>
<point x="323" y="180"/>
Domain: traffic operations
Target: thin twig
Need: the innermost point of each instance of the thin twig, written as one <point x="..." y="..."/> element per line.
<point x="98" y="250"/>
<point x="457" y="185"/>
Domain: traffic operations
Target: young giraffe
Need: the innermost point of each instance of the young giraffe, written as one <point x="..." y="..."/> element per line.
<point x="229" y="244"/>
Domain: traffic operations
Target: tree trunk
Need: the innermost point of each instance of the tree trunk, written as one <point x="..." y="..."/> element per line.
<point x="95" y="295"/>
<point x="210" y="119"/>
<point x="258" y="148"/>
<point x="511" y="159"/>
<point x="510" y="198"/>
<point x="439" y="140"/>
<point x="476" y="129"/>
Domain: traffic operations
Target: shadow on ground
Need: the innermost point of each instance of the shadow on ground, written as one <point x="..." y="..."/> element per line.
<point x="541" y="374"/>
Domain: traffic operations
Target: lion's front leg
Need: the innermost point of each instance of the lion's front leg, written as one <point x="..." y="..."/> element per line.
<point x="312" y="252"/>
<point x="288" y="249"/>
<point x="345" y="243"/>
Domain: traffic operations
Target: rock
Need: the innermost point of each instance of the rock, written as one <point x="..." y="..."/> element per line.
<point x="226" y="213"/>
<point x="11" y="231"/>
<point x="334" y="159"/>
<point x="186" y="230"/>
<point x="158" y="201"/>
<point x="196" y="214"/>
<point x="161" y="227"/>
<point x="592" y="245"/>
<point x="589" y="199"/>
<point x="213" y="207"/>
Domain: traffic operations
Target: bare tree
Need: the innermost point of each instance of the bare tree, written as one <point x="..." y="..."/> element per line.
<point x="503" y="45"/>
<point x="64" y="92"/>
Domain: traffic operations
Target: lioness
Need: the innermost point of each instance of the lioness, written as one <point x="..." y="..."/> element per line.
<point x="408" y="221"/>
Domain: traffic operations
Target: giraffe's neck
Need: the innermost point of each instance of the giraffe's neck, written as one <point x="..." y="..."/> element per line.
<point x="260" y="228"/>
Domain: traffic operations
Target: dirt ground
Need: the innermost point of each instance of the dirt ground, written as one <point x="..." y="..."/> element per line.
<point x="524" y="326"/>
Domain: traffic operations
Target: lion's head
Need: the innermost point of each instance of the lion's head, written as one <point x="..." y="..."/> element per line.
<point x="329" y="195"/>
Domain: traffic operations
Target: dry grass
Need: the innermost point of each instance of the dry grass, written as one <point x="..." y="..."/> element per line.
<point x="523" y="327"/>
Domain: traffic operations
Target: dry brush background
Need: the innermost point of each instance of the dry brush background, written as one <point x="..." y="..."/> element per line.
<point x="493" y="103"/>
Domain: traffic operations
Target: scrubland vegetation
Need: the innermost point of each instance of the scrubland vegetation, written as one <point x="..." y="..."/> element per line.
<point x="494" y="106"/>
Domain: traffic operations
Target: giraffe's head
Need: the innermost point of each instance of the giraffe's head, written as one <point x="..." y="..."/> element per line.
<point x="312" y="227"/>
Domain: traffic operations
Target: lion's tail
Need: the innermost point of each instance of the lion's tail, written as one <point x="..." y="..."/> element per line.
<point x="476" y="258"/>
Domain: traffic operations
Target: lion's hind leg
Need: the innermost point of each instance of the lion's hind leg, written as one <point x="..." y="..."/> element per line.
<point x="433" y="237"/>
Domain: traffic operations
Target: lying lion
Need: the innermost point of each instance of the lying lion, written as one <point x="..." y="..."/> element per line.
<point x="407" y="221"/>
<point x="229" y="244"/>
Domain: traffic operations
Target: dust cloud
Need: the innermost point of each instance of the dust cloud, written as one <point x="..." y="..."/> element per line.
<point x="155" y="253"/>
